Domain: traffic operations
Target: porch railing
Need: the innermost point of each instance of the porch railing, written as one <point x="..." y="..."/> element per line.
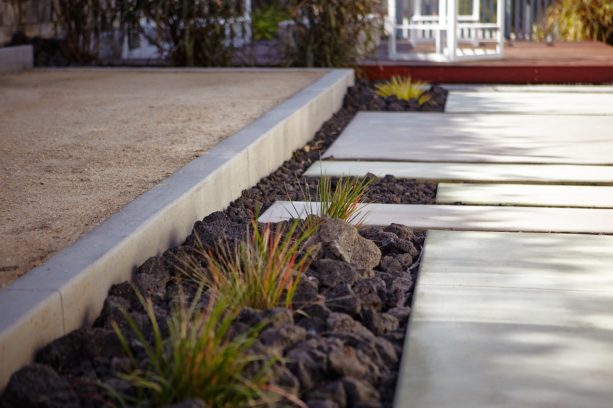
<point x="521" y="16"/>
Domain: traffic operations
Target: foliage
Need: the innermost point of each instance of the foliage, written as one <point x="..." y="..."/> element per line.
<point x="265" y="21"/>
<point x="17" y="7"/>
<point x="404" y="89"/>
<point x="581" y="20"/>
<point x="83" y="23"/>
<point x="332" y="33"/>
<point x="262" y="272"/>
<point x="197" y="359"/>
<point x="190" y="32"/>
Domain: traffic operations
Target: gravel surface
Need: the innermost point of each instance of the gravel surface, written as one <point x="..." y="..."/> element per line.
<point x="77" y="145"/>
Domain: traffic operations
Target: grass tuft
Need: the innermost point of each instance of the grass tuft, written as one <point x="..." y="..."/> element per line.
<point x="403" y="88"/>
<point x="344" y="200"/>
<point x="262" y="272"/>
<point x="196" y="359"/>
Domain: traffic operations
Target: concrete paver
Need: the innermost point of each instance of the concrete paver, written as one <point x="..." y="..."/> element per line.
<point x="509" y="320"/>
<point x="555" y="103"/>
<point x="476" y="138"/>
<point x="525" y="195"/>
<point x="473" y="218"/>
<point x="529" y="88"/>
<point x="470" y="172"/>
<point x="515" y="260"/>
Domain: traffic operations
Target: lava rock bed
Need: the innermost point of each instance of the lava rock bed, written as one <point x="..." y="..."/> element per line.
<point x="287" y="183"/>
<point x="341" y="341"/>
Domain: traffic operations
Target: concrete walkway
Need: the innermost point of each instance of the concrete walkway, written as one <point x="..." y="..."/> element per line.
<point x="500" y="318"/>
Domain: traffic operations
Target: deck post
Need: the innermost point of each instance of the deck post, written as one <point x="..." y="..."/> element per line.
<point x="438" y="39"/>
<point x="452" y="24"/>
<point x="501" y="26"/>
<point x="391" y="19"/>
<point x="476" y="10"/>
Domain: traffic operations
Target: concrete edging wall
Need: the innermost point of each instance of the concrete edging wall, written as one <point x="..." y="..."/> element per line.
<point x="15" y="59"/>
<point x="68" y="290"/>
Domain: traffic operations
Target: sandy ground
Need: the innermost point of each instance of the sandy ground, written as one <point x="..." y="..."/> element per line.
<point x="75" y="146"/>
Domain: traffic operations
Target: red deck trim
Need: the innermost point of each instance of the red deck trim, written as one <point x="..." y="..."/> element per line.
<point x="523" y="63"/>
<point x="589" y="74"/>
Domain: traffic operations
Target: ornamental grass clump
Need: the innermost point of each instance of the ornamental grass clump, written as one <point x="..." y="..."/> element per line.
<point x="196" y="358"/>
<point x="404" y="88"/>
<point x="342" y="200"/>
<point x="262" y="272"/>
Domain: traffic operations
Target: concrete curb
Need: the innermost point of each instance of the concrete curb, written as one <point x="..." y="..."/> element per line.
<point x="15" y="59"/>
<point x="68" y="291"/>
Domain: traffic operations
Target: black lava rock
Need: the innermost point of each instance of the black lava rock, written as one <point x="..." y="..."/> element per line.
<point x="38" y="386"/>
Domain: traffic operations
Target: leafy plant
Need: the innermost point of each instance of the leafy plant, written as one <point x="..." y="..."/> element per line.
<point x="190" y="32"/>
<point x="332" y="33"/>
<point x="262" y="272"/>
<point x="265" y="21"/>
<point x="581" y="20"/>
<point x="197" y="359"/>
<point x="404" y="89"/>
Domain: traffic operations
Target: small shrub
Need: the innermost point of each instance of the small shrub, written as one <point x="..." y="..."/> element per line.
<point x="197" y="359"/>
<point x="332" y="33"/>
<point x="83" y="22"/>
<point x="262" y="272"/>
<point x="265" y="21"/>
<point x="581" y="20"/>
<point x="190" y="32"/>
<point x="404" y="89"/>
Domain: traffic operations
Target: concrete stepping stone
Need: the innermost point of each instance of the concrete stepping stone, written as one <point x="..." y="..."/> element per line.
<point x="510" y="320"/>
<point x="476" y="138"/>
<point x="476" y="172"/>
<point x="471" y="218"/>
<point x="530" y="88"/>
<point x="555" y="103"/>
<point x="525" y="195"/>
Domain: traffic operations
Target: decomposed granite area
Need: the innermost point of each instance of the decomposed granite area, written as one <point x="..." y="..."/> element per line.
<point x="77" y="145"/>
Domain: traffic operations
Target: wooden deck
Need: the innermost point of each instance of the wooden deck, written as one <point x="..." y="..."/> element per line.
<point x="524" y="62"/>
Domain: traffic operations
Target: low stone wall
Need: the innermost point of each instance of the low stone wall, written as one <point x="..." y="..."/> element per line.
<point x="15" y="59"/>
